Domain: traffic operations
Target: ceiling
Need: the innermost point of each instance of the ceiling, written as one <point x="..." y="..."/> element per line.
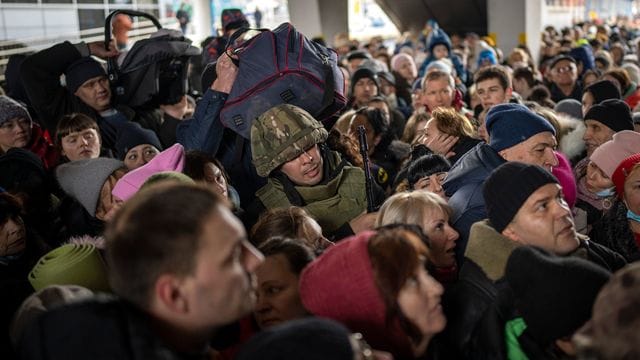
<point x="454" y="16"/>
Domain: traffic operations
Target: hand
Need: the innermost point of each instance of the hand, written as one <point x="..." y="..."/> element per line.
<point x="97" y="48"/>
<point x="364" y="221"/>
<point x="441" y="144"/>
<point x="227" y="72"/>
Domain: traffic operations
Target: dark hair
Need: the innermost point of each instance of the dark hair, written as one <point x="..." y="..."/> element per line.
<point x="395" y="253"/>
<point x="494" y="72"/>
<point x="73" y="123"/>
<point x="10" y="208"/>
<point x="622" y="77"/>
<point x="525" y="73"/>
<point x="194" y="162"/>
<point x="541" y="95"/>
<point x="380" y="124"/>
<point x="298" y="255"/>
<point x="157" y="231"/>
<point x="425" y="166"/>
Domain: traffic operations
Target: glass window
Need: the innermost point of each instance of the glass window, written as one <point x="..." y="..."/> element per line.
<point x="91" y="18"/>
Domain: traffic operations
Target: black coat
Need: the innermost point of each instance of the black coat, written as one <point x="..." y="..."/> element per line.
<point x="613" y="231"/>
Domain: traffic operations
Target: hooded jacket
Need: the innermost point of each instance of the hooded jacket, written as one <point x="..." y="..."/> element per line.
<point x="440" y="37"/>
<point x="463" y="186"/>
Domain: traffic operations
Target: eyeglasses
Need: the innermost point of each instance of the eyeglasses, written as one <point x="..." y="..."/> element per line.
<point x="360" y="347"/>
<point x="564" y="69"/>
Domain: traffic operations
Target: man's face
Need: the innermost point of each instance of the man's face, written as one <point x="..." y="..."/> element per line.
<point x="96" y="93"/>
<point x="306" y="169"/>
<point x="536" y="150"/>
<point x="596" y="134"/>
<point x="364" y="90"/>
<point x="437" y="93"/>
<point x="491" y="93"/>
<point x="545" y="220"/>
<point x="564" y="73"/>
<point x="222" y="286"/>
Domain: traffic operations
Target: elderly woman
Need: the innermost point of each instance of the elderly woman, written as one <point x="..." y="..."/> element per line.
<point x="431" y="213"/>
<point x="449" y="133"/>
<point x="619" y="229"/>
<point x="278" y="298"/>
<point x="377" y="284"/>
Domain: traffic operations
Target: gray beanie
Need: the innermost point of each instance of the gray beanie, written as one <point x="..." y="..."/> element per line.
<point x="571" y="107"/>
<point x="10" y="109"/>
<point x="83" y="179"/>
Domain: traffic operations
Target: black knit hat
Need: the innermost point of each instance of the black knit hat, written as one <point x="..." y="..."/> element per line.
<point x="553" y="294"/>
<point x="130" y="135"/>
<point x="310" y="338"/>
<point x="613" y="113"/>
<point x="82" y="70"/>
<point x="603" y="90"/>
<point x="362" y="73"/>
<point x="502" y="199"/>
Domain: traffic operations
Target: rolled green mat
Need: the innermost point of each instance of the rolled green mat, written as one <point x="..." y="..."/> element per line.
<point x="71" y="264"/>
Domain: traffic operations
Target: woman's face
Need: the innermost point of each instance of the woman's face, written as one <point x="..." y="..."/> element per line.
<point x="442" y="237"/>
<point x="13" y="237"/>
<point x="432" y="183"/>
<point x="108" y="205"/>
<point x="15" y="133"/>
<point x="587" y="102"/>
<point x="420" y="126"/>
<point x="140" y="155"/>
<point x="419" y="301"/>
<point x="596" y="179"/>
<point x="407" y="70"/>
<point x="372" y="139"/>
<point x="632" y="191"/>
<point x="215" y="178"/>
<point x="278" y="297"/>
<point x="83" y="144"/>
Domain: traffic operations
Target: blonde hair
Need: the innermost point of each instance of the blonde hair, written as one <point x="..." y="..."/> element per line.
<point x="410" y="208"/>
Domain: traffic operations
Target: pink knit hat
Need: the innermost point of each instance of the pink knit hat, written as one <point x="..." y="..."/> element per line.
<point x="171" y="159"/>
<point x="610" y="154"/>
<point x="564" y="174"/>
<point x="340" y="285"/>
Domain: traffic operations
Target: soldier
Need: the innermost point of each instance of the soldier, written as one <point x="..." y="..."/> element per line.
<point x="288" y="148"/>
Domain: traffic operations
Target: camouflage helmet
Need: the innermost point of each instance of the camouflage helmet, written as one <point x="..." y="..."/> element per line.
<point x="281" y="134"/>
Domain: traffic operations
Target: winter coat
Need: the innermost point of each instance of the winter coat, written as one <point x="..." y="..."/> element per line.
<point x="98" y="329"/>
<point x="632" y="95"/>
<point x="463" y="186"/>
<point x="40" y="146"/>
<point x="613" y="231"/>
<point x="440" y="37"/>
<point x="557" y="94"/>
<point x="41" y="78"/>
<point x="386" y="162"/>
<point x="464" y="145"/>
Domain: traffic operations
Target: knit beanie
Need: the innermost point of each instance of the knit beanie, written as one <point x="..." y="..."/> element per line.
<point x="503" y="199"/>
<point x="389" y="77"/>
<point x="603" y="90"/>
<point x="487" y="55"/>
<point x="310" y="339"/>
<point x="341" y="285"/>
<point x="171" y="159"/>
<point x="553" y="294"/>
<point x="622" y="171"/>
<point x="83" y="179"/>
<point x="362" y="73"/>
<point x="11" y="109"/>
<point x="130" y="135"/>
<point x="397" y="60"/>
<point x="612" y="332"/>
<point x="609" y="155"/>
<point x="613" y="113"/>
<point x="511" y="124"/>
<point x="564" y="173"/>
<point x="358" y="54"/>
<point x="571" y="107"/>
<point x="82" y="70"/>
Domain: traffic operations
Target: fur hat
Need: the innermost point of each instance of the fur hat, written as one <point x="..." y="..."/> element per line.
<point x="171" y="159"/>
<point x="502" y="199"/>
<point x="553" y="294"/>
<point x="83" y="179"/>
<point x="511" y="124"/>
<point x="613" y="113"/>
<point x="609" y="155"/>
<point x="11" y="109"/>
<point x="310" y="338"/>
<point x="82" y="70"/>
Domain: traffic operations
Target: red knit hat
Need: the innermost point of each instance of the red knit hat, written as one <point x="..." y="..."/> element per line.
<point x="622" y="171"/>
<point x="340" y="285"/>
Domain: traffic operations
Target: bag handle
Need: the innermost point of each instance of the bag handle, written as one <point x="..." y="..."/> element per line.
<point x="112" y="63"/>
<point x="233" y="38"/>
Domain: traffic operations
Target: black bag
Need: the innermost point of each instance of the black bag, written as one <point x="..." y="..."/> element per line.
<point x="154" y="71"/>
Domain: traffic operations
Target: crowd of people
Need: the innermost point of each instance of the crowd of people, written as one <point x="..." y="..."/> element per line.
<point x="498" y="218"/>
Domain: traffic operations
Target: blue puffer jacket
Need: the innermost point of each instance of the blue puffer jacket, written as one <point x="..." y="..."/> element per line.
<point x="464" y="189"/>
<point x="584" y="55"/>
<point x="440" y="37"/>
